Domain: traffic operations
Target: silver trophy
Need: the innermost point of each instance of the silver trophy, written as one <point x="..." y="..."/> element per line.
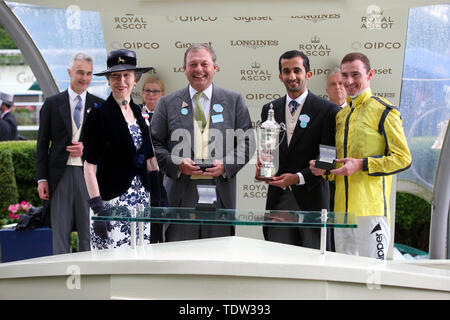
<point x="268" y="143"/>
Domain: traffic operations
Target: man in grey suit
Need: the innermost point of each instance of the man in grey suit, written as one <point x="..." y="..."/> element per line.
<point x="59" y="168"/>
<point x="201" y="123"/>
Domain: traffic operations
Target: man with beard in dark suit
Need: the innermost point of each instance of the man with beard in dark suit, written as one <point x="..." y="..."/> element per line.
<point x="59" y="167"/>
<point x="310" y="121"/>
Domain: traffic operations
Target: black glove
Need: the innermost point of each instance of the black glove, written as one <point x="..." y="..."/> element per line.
<point x="154" y="183"/>
<point x="101" y="228"/>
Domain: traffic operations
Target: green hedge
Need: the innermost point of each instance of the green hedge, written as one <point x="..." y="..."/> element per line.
<point x="412" y="221"/>
<point x="18" y="174"/>
<point x="8" y="191"/>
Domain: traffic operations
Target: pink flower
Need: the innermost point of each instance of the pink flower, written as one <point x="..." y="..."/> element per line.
<point x="15" y="210"/>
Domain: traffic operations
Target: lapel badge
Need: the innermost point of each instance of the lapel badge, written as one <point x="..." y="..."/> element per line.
<point x="184" y="111"/>
<point x="304" y="119"/>
<point x="218" y="108"/>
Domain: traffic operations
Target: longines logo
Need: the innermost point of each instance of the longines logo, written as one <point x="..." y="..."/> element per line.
<point x="318" y="17"/>
<point x="255" y="73"/>
<point x="315" y="48"/>
<point x="181" y="69"/>
<point x="375" y="20"/>
<point x="191" y="19"/>
<point x="252" y="19"/>
<point x="254" y="44"/>
<point x="130" y="22"/>
<point x="185" y="45"/>
<point x="133" y="45"/>
<point x="376" y="45"/>
<point x="385" y="95"/>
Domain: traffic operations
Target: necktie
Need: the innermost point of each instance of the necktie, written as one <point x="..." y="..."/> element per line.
<point x="293" y="105"/>
<point x="77" y="112"/>
<point x="199" y="113"/>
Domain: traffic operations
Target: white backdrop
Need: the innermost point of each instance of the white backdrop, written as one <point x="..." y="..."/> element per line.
<point x="248" y="48"/>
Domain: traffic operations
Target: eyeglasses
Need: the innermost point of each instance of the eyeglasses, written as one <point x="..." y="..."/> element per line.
<point x="151" y="91"/>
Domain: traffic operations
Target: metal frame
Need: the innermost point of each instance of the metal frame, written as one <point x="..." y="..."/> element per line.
<point x="440" y="205"/>
<point x="29" y="50"/>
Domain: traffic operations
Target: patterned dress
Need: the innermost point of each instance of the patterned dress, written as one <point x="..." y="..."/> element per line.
<point x="120" y="234"/>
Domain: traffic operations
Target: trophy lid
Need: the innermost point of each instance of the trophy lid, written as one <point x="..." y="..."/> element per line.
<point x="270" y="123"/>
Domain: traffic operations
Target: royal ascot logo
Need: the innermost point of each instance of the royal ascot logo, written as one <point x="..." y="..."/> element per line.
<point x="375" y="20"/>
<point x="135" y="45"/>
<point x="315" y="48"/>
<point x="130" y="22"/>
<point x="258" y="191"/>
<point x="252" y="19"/>
<point x="254" y="44"/>
<point x="318" y="17"/>
<point x="255" y="73"/>
<point x="191" y="19"/>
<point x="185" y="45"/>
<point x="376" y="45"/>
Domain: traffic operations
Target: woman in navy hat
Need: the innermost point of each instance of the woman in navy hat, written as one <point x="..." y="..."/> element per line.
<point x="120" y="167"/>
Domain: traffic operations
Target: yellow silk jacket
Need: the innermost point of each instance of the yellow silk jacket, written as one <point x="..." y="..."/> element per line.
<point x="369" y="128"/>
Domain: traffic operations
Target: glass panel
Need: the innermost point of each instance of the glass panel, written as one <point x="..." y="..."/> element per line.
<point x="279" y="218"/>
<point x="68" y="31"/>
<point x="425" y="99"/>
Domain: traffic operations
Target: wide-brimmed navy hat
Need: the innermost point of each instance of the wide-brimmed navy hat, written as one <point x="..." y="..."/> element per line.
<point x="121" y="60"/>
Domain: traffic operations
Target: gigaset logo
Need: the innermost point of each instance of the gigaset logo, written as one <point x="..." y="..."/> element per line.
<point x="130" y="22"/>
<point x="254" y="44"/>
<point x="252" y="19"/>
<point x="255" y="73"/>
<point x="185" y="45"/>
<point x="315" y="48"/>
<point x="318" y="17"/>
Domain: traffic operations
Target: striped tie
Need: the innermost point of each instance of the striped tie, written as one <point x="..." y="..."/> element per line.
<point x="199" y="113"/>
<point x="293" y="105"/>
<point x="77" y="112"/>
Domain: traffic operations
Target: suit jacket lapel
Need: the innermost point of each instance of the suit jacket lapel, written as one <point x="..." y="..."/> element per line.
<point x="186" y="119"/>
<point x="307" y="109"/>
<point x="64" y="109"/>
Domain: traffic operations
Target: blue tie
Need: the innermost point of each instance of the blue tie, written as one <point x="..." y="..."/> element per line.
<point x="293" y="105"/>
<point x="77" y="112"/>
